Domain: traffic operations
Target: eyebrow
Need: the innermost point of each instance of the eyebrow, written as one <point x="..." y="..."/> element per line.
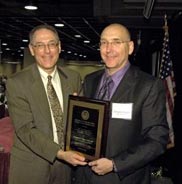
<point x="115" y="39"/>
<point x="47" y="42"/>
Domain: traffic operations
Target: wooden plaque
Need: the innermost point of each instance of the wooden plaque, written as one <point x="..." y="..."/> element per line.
<point x="87" y="126"/>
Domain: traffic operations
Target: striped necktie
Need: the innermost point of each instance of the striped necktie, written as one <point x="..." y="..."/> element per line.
<point x="105" y="91"/>
<point x="56" y="111"/>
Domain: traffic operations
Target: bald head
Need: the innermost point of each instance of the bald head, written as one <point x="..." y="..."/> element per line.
<point x="119" y="29"/>
<point x="115" y="47"/>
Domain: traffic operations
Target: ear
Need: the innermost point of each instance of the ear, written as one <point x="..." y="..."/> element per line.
<point x="131" y="47"/>
<point x="31" y="49"/>
<point x="59" y="46"/>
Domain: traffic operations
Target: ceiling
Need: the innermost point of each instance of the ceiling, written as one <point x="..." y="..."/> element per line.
<point x="84" y="17"/>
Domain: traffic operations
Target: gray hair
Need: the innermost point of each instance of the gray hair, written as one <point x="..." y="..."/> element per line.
<point x="43" y="26"/>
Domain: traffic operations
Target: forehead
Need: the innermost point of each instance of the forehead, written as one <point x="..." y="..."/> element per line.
<point x="114" y="32"/>
<point x="43" y="34"/>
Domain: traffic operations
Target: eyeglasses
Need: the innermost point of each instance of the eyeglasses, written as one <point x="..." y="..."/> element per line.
<point x="42" y="46"/>
<point x="114" y="43"/>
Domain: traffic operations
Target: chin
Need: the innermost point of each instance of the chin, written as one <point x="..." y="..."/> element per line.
<point x="110" y="65"/>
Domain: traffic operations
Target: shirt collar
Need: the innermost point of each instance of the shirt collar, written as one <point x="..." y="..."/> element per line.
<point x="119" y="74"/>
<point x="44" y="74"/>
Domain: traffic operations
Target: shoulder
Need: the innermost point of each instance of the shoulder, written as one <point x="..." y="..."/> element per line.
<point x="24" y="74"/>
<point x="94" y="75"/>
<point x="22" y="80"/>
<point x="68" y="74"/>
<point x="141" y="75"/>
<point x="142" y="82"/>
<point x="67" y="71"/>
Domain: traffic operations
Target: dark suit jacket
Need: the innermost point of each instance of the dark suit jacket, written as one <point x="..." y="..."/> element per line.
<point x="34" y="151"/>
<point x="132" y="144"/>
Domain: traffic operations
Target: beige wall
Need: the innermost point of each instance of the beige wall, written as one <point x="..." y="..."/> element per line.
<point x="84" y="69"/>
<point x="28" y="58"/>
<point x="8" y="69"/>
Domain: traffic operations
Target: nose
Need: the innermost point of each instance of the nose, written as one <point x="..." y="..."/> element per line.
<point x="109" y="46"/>
<point x="46" y="48"/>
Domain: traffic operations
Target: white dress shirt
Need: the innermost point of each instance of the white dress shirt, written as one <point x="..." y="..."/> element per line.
<point x="56" y="82"/>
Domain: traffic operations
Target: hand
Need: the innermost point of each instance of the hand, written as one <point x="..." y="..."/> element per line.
<point x="101" y="166"/>
<point x="75" y="94"/>
<point x="71" y="157"/>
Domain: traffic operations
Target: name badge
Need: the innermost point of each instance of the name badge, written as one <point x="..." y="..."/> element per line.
<point x="122" y="110"/>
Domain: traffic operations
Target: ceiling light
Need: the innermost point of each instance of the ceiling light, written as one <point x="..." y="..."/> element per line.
<point x="4" y="44"/>
<point x="86" y="41"/>
<point x="78" y="36"/>
<point x="59" y="25"/>
<point x="30" y="6"/>
<point x="24" y="40"/>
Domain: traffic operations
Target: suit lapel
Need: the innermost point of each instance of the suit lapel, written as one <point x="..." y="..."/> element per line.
<point x="66" y="90"/>
<point x="65" y="87"/>
<point x="38" y="92"/>
<point x="91" y="89"/>
<point x="125" y="85"/>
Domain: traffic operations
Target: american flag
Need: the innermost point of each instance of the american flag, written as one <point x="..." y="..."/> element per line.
<point x="167" y="75"/>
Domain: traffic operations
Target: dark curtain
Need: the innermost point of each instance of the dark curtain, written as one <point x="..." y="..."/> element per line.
<point x="176" y="55"/>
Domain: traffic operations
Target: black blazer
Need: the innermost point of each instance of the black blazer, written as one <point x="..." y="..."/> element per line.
<point x="133" y="143"/>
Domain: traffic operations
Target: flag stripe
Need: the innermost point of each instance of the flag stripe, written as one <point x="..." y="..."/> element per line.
<point x="167" y="75"/>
